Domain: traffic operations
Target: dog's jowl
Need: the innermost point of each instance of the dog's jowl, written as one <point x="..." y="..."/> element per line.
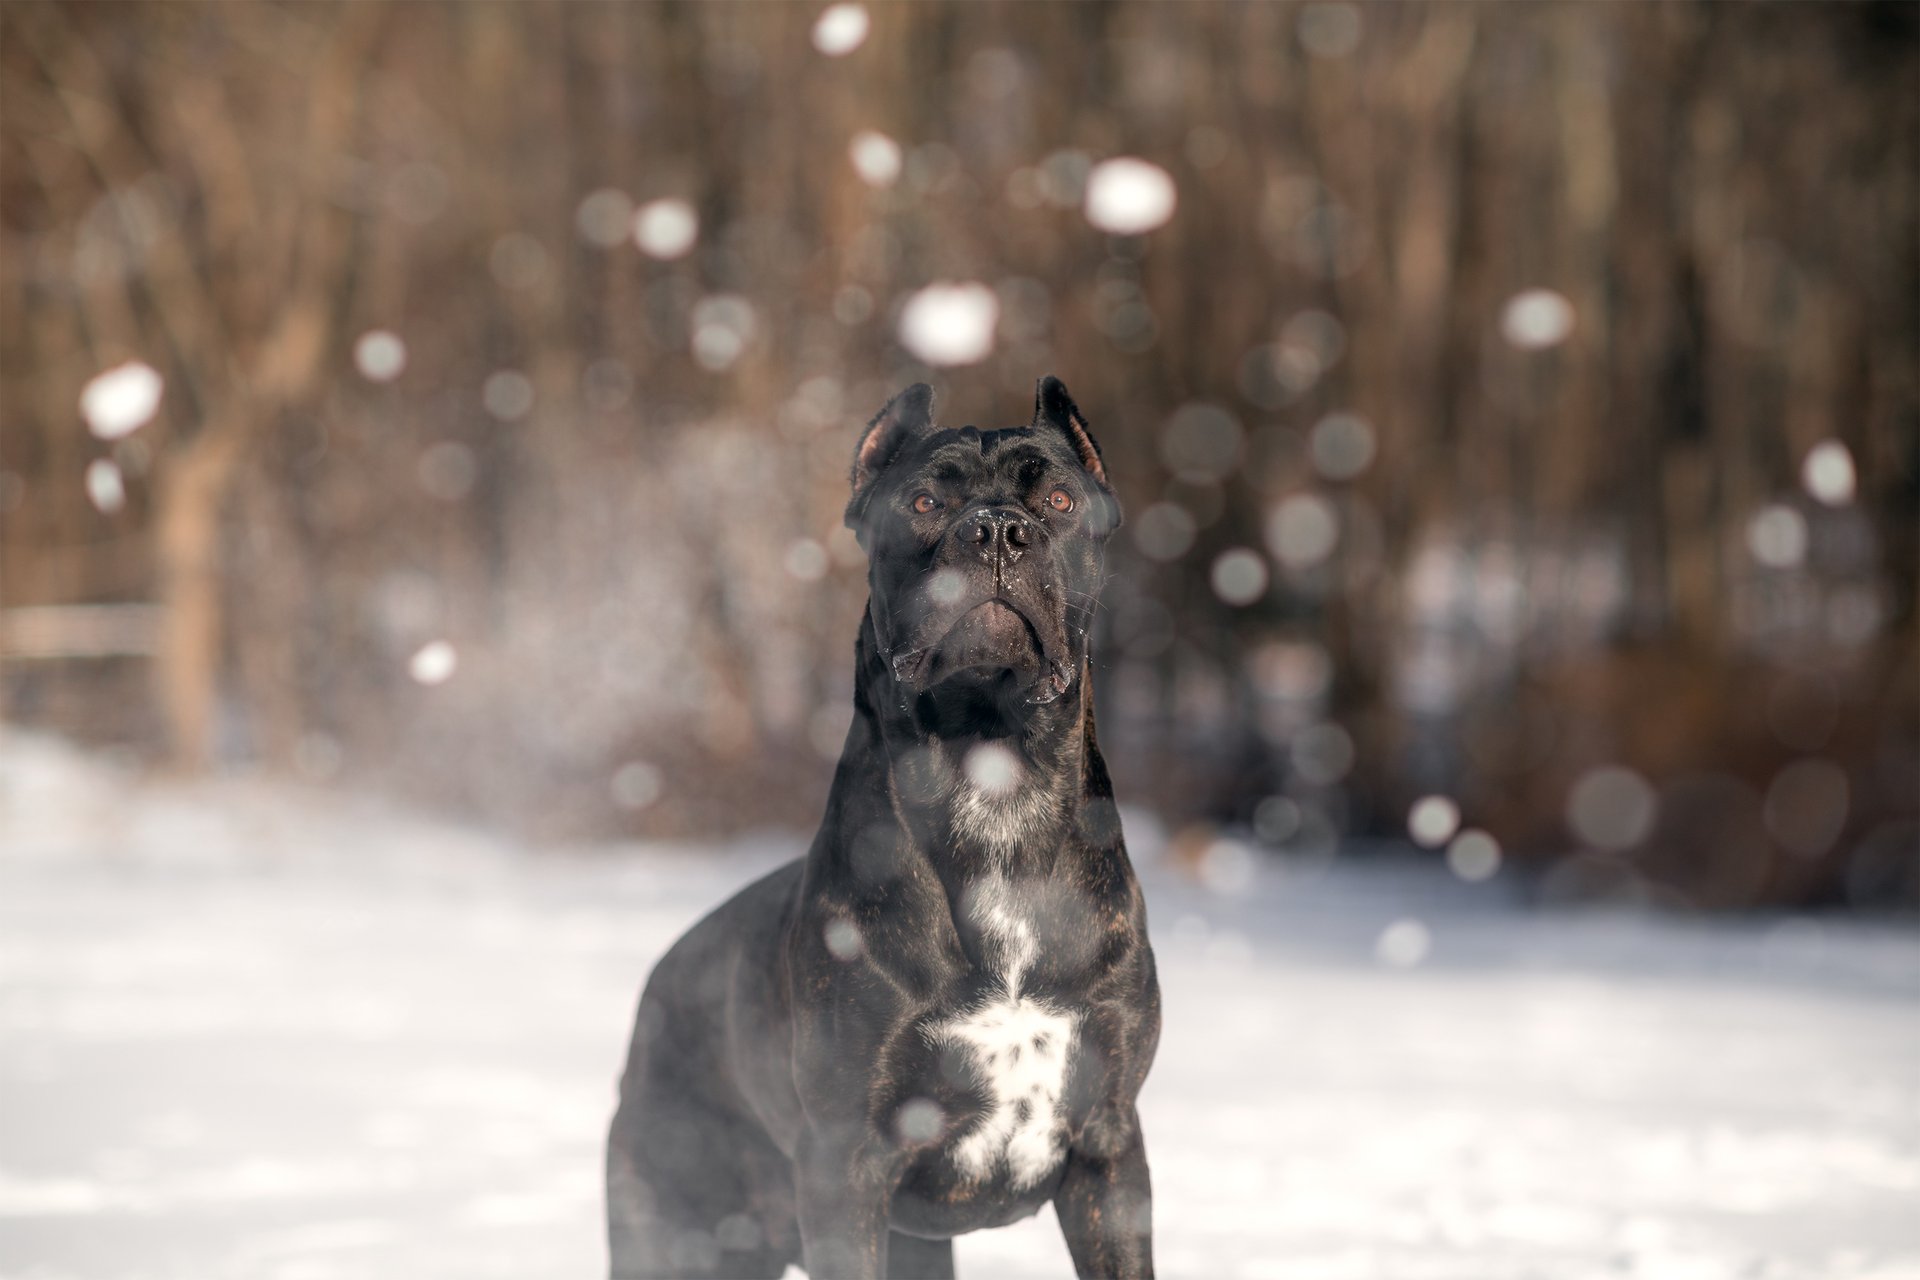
<point x="939" y="1019"/>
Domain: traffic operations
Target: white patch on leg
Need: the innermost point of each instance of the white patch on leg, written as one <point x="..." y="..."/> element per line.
<point x="1019" y="1051"/>
<point x="993" y="805"/>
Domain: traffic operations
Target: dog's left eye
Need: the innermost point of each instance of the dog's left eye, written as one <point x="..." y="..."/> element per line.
<point x="1060" y="500"/>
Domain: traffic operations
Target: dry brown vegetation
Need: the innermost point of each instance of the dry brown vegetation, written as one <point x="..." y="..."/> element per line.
<point x="1544" y="568"/>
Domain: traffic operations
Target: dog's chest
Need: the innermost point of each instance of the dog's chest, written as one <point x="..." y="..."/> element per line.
<point x="1017" y="1048"/>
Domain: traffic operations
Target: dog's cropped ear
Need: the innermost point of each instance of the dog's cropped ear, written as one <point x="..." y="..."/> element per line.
<point x="1053" y="407"/>
<point x="906" y="415"/>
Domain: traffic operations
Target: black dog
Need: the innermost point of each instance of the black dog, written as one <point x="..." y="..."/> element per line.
<point x="939" y="1019"/>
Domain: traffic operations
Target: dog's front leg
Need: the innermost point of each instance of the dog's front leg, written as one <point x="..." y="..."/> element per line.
<point x="1105" y="1202"/>
<point x="845" y="1190"/>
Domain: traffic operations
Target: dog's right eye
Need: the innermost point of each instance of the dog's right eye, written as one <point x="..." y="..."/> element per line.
<point x="924" y="502"/>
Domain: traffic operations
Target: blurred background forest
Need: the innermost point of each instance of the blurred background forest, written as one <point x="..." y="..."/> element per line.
<point x="1514" y="406"/>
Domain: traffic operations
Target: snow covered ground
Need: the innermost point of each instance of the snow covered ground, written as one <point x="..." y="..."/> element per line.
<point x="255" y="1032"/>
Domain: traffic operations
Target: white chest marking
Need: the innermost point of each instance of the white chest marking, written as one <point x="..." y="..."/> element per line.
<point x="994" y="803"/>
<point x="1018" y="1049"/>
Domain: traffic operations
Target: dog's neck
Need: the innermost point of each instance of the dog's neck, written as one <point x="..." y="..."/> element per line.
<point x="982" y="780"/>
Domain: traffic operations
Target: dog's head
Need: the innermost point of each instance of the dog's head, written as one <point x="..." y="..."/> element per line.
<point x="984" y="547"/>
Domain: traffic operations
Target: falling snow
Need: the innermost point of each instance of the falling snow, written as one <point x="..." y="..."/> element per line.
<point x="992" y="768"/>
<point x="636" y="785"/>
<point x="1611" y="808"/>
<point x="1239" y="576"/>
<point x="380" y="355"/>
<point x="1828" y="473"/>
<point x="1777" y="536"/>
<point x="876" y="158"/>
<point x="605" y="217"/>
<point x="507" y="394"/>
<point x="106" y="488"/>
<point x="1342" y="445"/>
<point x="1536" y="319"/>
<point x="1302" y="529"/>
<point x="841" y="29"/>
<point x="950" y="323"/>
<point x="120" y="401"/>
<point x="666" y="229"/>
<point x="433" y="663"/>
<point x="1433" y="820"/>
<point x="724" y="325"/>
<point x="1129" y="197"/>
<point x="1473" y="855"/>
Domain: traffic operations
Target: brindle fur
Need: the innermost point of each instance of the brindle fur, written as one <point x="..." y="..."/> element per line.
<point x="774" y="1105"/>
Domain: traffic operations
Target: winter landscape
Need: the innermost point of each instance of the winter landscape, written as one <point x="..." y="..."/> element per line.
<point x="266" y="1033"/>
<point x="427" y="435"/>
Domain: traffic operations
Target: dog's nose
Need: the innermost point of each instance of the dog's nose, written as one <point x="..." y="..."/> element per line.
<point x="1000" y="530"/>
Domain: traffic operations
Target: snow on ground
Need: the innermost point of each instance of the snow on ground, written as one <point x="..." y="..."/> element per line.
<point x="254" y="1032"/>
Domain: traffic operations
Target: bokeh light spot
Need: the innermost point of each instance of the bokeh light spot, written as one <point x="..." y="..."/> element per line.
<point x="604" y="217"/>
<point x="1201" y="442"/>
<point x="1403" y="944"/>
<point x="1806" y="807"/>
<point x="1342" y="445"/>
<point x="380" y="355"/>
<point x="724" y="324"/>
<point x="946" y="587"/>
<point x="840" y="29"/>
<point x="1239" y="576"/>
<point x="1611" y="808"/>
<point x="433" y="663"/>
<point x="636" y="785"/>
<point x="1432" y="820"/>
<point x="806" y="560"/>
<point x="666" y="229"/>
<point x="950" y="323"/>
<point x="992" y="768"/>
<point x="1473" y="856"/>
<point x="1129" y="196"/>
<point x="919" y="1122"/>
<point x="1777" y="537"/>
<point x="1536" y="319"/>
<point x="876" y="158"/>
<point x="1828" y="473"/>
<point x="507" y="395"/>
<point x="852" y="305"/>
<point x="843" y="940"/>
<point x="1227" y="867"/>
<point x="122" y="400"/>
<point x="106" y="488"/>
<point x="1302" y="529"/>
<point x="1164" y="531"/>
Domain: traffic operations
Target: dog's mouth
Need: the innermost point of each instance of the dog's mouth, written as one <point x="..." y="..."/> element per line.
<point x="990" y="643"/>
